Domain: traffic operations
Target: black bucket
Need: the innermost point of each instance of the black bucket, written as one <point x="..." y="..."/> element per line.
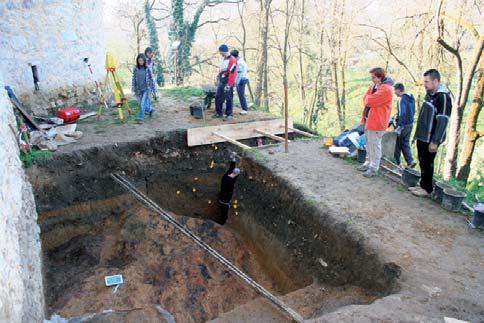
<point x="477" y="220"/>
<point x="361" y="156"/>
<point x="410" y="177"/>
<point x="438" y="192"/>
<point x="452" y="199"/>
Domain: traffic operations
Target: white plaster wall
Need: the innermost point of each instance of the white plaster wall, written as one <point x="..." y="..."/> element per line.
<point x="21" y="292"/>
<point x="55" y="35"/>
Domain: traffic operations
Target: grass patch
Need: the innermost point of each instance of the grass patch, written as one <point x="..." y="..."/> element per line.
<point x="109" y="117"/>
<point x="182" y="91"/>
<point x="258" y="156"/>
<point x="305" y="128"/>
<point x="29" y="158"/>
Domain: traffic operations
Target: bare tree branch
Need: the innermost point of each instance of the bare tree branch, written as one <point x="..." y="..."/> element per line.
<point x="389" y="49"/>
<point x="212" y="22"/>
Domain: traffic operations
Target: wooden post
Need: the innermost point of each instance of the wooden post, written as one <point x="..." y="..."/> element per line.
<point x="286" y="117"/>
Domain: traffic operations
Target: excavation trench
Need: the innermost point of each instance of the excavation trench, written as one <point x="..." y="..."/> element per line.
<point x="91" y="227"/>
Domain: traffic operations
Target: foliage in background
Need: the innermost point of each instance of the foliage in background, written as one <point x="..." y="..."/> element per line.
<point x="154" y="44"/>
<point x="182" y="91"/>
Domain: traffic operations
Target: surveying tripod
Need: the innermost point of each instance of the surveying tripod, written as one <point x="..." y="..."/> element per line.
<point x="119" y="97"/>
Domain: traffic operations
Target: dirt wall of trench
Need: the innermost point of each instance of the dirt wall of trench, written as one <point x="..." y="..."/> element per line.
<point x="324" y="248"/>
<point x="320" y="247"/>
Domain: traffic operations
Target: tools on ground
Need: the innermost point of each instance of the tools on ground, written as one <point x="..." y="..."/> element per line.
<point x="119" y="96"/>
<point x="46" y="136"/>
<point x="16" y="103"/>
<point x="69" y="114"/>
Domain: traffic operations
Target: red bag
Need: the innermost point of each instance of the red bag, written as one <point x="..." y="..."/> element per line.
<point x="69" y="114"/>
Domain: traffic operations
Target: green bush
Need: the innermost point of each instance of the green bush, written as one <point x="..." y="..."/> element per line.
<point x="29" y="158"/>
<point x="182" y="91"/>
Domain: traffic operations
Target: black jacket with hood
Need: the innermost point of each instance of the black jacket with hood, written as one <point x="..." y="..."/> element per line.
<point x="434" y="116"/>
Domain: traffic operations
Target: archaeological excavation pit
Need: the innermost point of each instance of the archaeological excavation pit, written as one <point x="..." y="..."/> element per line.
<point x="91" y="227"/>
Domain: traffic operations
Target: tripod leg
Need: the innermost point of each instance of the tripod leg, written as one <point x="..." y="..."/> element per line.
<point x="124" y="101"/>
<point x="120" y="112"/>
<point x="117" y="95"/>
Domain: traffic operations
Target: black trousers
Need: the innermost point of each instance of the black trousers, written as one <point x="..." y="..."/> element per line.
<point x="224" y="96"/>
<point x="224" y="213"/>
<point x="426" y="161"/>
<point x="403" y="145"/>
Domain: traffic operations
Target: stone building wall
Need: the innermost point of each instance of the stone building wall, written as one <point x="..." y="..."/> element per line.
<point x="21" y="291"/>
<point x="55" y="36"/>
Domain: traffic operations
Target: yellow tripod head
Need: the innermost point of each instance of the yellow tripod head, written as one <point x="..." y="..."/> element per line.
<point x="110" y="61"/>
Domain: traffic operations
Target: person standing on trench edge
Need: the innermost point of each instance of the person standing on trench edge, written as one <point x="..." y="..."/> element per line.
<point x="375" y="117"/>
<point x="225" y="84"/>
<point x="431" y="125"/>
<point x="404" y="123"/>
<point x="227" y="189"/>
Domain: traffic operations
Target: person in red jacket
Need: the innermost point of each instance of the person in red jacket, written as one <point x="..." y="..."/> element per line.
<point x="225" y="83"/>
<point x="376" y="116"/>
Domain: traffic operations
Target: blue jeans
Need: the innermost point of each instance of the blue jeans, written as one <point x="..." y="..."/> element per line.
<point x="144" y="102"/>
<point x="403" y="145"/>
<point x="224" y="96"/>
<point x="241" y="94"/>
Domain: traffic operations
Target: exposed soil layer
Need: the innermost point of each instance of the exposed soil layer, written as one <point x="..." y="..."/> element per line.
<point x="276" y="235"/>
<point x="441" y="259"/>
<point x="160" y="265"/>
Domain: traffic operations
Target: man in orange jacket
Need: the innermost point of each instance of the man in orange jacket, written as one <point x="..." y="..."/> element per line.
<point x="376" y="116"/>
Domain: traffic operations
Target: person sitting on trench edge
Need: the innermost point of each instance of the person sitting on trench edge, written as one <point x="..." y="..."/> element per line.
<point x="227" y="189"/>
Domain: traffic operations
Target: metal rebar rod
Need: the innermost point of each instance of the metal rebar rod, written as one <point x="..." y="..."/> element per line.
<point x="231" y="267"/>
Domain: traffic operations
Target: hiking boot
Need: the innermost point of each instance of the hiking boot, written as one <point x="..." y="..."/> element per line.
<point x="151" y="113"/>
<point x="412" y="165"/>
<point x="363" y="168"/>
<point x="244" y="112"/>
<point x="228" y="118"/>
<point x="370" y="173"/>
<point x="216" y="116"/>
<point x="420" y="192"/>
<point x="413" y="188"/>
<point x="139" y="121"/>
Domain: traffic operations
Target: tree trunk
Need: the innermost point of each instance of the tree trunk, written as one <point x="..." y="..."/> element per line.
<point x="471" y="133"/>
<point x="300" y="56"/>
<point x="343" y="89"/>
<point x="458" y="109"/>
<point x="334" y="71"/>
<point x="464" y="86"/>
<point x="244" y="42"/>
<point x="261" y="69"/>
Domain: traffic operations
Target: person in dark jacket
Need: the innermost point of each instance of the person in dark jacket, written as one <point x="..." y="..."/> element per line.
<point x="404" y="124"/>
<point x="431" y="125"/>
<point x="225" y="84"/>
<point x="142" y="85"/>
<point x="227" y="189"/>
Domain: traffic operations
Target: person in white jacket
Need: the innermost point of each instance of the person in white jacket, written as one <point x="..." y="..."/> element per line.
<point x="241" y="81"/>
